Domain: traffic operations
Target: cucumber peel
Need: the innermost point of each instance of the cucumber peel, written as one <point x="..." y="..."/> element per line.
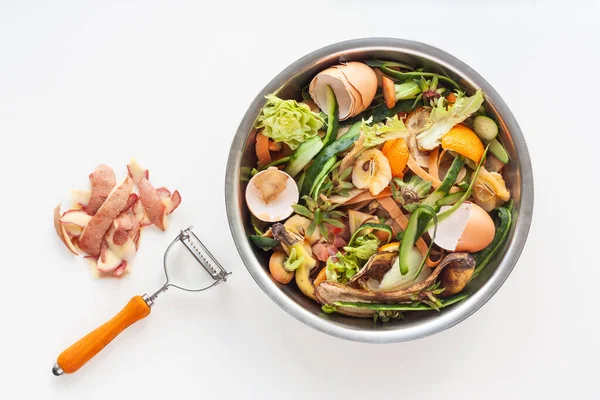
<point x="327" y="167"/>
<point x="447" y="183"/>
<point x="275" y="163"/>
<point x="342" y="144"/>
<point x="498" y="150"/>
<point x="443" y="215"/>
<point x="332" y="117"/>
<point x="413" y="233"/>
<point x="303" y="155"/>
<point x="449" y="199"/>
<point x="504" y="221"/>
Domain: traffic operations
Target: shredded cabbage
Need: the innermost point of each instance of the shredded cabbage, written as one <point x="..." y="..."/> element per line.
<point x="442" y="120"/>
<point x="288" y="121"/>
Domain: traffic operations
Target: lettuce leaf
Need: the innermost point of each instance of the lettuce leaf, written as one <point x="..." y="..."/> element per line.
<point x="340" y="268"/>
<point x="288" y="121"/>
<point x="442" y="120"/>
<point x="378" y="133"/>
<point x="364" y="246"/>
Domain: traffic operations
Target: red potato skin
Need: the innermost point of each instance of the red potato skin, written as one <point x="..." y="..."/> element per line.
<point x="163" y="192"/>
<point x="133" y="198"/>
<point x="137" y="174"/>
<point x="103" y="181"/>
<point x="61" y="232"/>
<point x="123" y="222"/>
<point x="120" y="269"/>
<point x="135" y="226"/>
<point x="155" y="208"/>
<point x="136" y="239"/>
<point x="103" y="249"/>
<point x="126" y="226"/>
<point x="120" y="237"/>
<point x="175" y="201"/>
<point x="91" y="237"/>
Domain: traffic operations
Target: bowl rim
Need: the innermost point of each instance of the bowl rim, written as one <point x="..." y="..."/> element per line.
<point x="450" y="317"/>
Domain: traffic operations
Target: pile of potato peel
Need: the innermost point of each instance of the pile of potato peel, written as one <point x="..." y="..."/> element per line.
<point x="106" y="222"/>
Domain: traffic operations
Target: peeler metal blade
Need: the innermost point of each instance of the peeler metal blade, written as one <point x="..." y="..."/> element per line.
<point x="195" y="246"/>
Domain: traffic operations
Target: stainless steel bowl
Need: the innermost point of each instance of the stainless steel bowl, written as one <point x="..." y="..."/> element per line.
<point x="518" y="174"/>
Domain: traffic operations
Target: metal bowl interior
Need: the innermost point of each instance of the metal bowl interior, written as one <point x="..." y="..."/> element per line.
<point x="518" y="175"/>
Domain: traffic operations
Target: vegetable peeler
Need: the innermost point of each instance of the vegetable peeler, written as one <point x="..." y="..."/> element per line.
<point x="138" y="307"/>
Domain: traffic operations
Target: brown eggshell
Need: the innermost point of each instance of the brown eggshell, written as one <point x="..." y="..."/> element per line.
<point x="364" y="79"/>
<point x="479" y="231"/>
<point x="358" y="104"/>
<point x="334" y="78"/>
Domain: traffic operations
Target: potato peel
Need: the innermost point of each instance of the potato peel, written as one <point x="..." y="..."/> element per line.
<point x="136" y="172"/>
<point x="91" y="237"/>
<point x="133" y="198"/>
<point x="164" y="193"/>
<point x="155" y="208"/>
<point x="103" y="181"/>
<point x="140" y="214"/>
<point x="106" y="222"/>
<point x="81" y="197"/>
<point x="72" y="229"/>
<point x="175" y="202"/>
<point x="62" y="233"/>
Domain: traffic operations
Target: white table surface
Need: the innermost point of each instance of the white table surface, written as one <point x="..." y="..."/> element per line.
<point x="168" y="82"/>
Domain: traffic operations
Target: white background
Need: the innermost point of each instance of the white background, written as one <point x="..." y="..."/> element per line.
<point x="83" y="83"/>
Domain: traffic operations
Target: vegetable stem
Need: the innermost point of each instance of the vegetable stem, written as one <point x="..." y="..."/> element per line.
<point x="403" y="307"/>
<point x="405" y="76"/>
<point x="275" y="163"/>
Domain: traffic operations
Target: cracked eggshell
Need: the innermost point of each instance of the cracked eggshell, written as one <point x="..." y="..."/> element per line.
<point x="468" y="229"/>
<point x="279" y="208"/>
<point x="363" y="79"/>
<point x="354" y="85"/>
<point x="334" y="78"/>
<point x="358" y="102"/>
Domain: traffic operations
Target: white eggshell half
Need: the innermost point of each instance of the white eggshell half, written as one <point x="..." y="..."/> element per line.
<point x="450" y="230"/>
<point x="279" y="208"/>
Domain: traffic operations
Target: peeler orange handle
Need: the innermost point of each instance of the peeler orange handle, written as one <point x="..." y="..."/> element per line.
<point x="87" y="347"/>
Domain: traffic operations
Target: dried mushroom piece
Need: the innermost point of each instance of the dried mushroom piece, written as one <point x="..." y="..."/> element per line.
<point x="490" y="190"/>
